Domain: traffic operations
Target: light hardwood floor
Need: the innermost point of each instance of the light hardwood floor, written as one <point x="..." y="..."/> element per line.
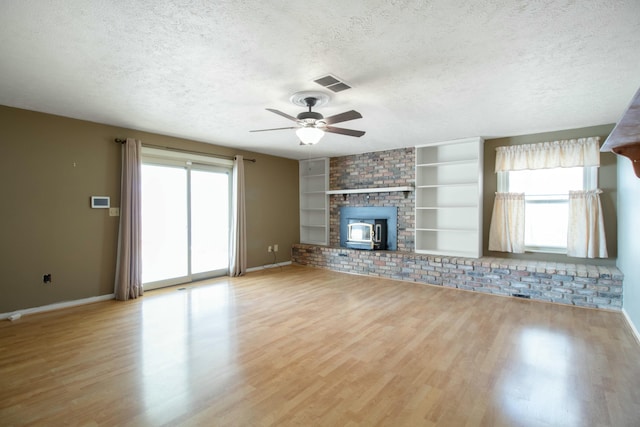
<point x="302" y="346"/>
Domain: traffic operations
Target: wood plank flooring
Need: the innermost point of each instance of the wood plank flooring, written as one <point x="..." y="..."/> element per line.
<point x="299" y="346"/>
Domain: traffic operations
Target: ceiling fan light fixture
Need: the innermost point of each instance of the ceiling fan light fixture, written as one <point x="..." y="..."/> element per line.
<point x="311" y="126"/>
<point x="309" y="135"/>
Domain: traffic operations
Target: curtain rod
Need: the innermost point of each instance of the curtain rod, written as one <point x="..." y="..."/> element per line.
<point x="220" y="156"/>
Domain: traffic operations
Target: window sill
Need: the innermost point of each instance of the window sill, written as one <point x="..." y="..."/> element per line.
<point x="546" y="250"/>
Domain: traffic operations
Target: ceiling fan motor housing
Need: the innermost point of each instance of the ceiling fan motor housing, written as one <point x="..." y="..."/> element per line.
<point x="310" y="115"/>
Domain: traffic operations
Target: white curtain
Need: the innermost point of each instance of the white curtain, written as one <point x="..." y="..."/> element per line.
<point x="238" y="246"/>
<point x="128" y="282"/>
<point x="585" y="234"/>
<point x="546" y="155"/>
<point x="506" y="233"/>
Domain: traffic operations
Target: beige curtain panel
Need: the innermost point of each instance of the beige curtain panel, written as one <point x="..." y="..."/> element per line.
<point x="545" y="155"/>
<point x="238" y="240"/>
<point x="506" y="233"/>
<point x="128" y="283"/>
<point x="585" y="234"/>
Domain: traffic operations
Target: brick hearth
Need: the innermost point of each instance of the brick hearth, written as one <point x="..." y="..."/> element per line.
<point x="573" y="284"/>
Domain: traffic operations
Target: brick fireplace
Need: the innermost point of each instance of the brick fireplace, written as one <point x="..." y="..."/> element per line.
<point x="392" y="168"/>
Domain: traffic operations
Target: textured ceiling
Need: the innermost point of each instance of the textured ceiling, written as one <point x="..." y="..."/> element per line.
<point x="421" y="71"/>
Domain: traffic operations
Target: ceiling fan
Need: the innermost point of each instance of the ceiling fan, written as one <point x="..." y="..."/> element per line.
<point x="311" y="125"/>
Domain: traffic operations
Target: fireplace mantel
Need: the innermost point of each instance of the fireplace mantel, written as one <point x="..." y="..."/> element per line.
<point x="405" y="189"/>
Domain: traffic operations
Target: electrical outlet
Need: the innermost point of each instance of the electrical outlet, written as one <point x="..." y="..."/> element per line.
<point x="275" y="248"/>
<point x="270" y="249"/>
<point x="114" y="211"/>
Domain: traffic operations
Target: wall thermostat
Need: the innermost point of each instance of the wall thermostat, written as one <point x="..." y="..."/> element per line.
<point x="100" y="202"/>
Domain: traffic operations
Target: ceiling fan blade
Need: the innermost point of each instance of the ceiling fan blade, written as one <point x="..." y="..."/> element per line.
<point x="280" y="113"/>
<point x="264" y="130"/>
<point x="343" y="131"/>
<point x="343" y="117"/>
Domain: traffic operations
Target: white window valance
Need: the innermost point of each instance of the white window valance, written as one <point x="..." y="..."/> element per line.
<point x="545" y="155"/>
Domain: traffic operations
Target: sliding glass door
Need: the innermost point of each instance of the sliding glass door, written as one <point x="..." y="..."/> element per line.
<point x="209" y="221"/>
<point x="185" y="222"/>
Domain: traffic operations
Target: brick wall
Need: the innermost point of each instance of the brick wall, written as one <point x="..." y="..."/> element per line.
<point x="392" y="168"/>
<point x="572" y="284"/>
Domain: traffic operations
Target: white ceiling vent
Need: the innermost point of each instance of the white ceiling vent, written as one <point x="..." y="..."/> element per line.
<point x="332" y="83"/>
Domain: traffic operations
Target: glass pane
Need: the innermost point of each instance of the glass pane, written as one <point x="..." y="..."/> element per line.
<point x="209" y="221"/>
<point x="359" y="232"/>
<point x="546" y="181"/>
<point x="164" y="223"/>
<point x="546" y="224"/>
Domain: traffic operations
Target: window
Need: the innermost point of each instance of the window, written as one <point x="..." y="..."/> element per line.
<point x="547" y="202"/>
<point x="548" y="192"/>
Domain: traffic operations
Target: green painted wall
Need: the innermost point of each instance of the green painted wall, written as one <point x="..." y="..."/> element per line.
<point x="628" y="238"/>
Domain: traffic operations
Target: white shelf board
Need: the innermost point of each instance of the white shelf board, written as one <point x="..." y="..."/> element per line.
<point x="463" y="254"/>
<point x="448" y="230"/>
<point x="445" y="207"/>
<point x="448" y="163"/>
<point x="460" y="184"/>
<point x="314" y="242"/>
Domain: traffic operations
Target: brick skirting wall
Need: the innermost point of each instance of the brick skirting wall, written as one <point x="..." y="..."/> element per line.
<point x="573" y="284"/>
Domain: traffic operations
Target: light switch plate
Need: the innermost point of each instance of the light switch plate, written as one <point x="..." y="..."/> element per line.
<point x="114" y="211"/>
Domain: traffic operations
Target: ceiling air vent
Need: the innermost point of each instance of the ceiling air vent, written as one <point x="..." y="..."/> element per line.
<point x="332" y="83"/>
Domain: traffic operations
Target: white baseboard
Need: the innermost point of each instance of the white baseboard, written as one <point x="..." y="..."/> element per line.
<point x="264" y="267"/>
<point x="57" y="306"/>
<point x="631" y="325"/>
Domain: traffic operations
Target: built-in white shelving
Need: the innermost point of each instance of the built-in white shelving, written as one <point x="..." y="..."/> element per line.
<point x="314" y="201"/>
<point x="449" y="198"/>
